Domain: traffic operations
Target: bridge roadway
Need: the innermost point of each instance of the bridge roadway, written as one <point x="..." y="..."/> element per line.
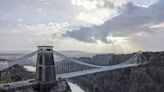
<point x="91" y="71"/>
<point x="20" y="84"/>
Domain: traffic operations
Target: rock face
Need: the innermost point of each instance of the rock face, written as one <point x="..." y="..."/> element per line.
<point x="26" y="90"/>
<point x="147" y="78"/>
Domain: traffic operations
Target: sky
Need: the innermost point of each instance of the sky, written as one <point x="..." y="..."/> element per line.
<point x="95" y="26"/>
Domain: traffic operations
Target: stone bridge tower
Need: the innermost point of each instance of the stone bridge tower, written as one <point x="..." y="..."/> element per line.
<point x="45" y="66"/>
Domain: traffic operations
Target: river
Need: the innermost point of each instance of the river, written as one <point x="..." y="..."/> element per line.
<point x="74" y="87"/>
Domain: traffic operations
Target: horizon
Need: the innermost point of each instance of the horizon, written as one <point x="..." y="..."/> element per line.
<point x="71" y="51"/>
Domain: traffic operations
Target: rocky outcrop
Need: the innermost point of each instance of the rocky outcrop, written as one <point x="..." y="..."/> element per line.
<point x="62" y="86"/>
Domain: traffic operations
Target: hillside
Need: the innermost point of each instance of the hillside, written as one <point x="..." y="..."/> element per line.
<point x="147" y="78"/>
<point x="15" y="73"/>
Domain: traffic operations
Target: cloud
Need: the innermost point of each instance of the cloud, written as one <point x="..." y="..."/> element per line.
<point x="94" y="4"/>
<point x="97" y="17"/>
<point x="116" y="25"/>
<point x="144" y="3"/>
<point x="158" y="26"/>
<point x="132" y="23"/>
<point x="34" y="33"/>
<point x="37" y="11"/>
<point x="29" y="36"/>
<point x="41" y="11"/>
<point x="97" y="11"/>
<point x="46" y="33"/>
<point x="20" y="20"/>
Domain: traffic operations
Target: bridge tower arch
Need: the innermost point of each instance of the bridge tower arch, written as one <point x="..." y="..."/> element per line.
<point x="45" y="66"/>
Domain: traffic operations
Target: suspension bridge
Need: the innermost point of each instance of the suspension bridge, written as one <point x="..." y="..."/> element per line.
<point x="48" y="71"/>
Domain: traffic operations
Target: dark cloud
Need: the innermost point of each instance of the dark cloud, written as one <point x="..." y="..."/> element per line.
<point x="132" y="20"/>
<point x="88" y="34"/>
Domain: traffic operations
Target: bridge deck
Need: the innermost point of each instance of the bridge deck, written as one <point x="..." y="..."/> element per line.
<point x="19" y="84"/>
<point x="91" y="71"/>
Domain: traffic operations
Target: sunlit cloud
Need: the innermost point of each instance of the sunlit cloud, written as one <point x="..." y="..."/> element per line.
<point x="96" y="17"/>
<point x="94" y="4"/>
<point x="98" y="11"/>
<point x="160" y="25"/>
